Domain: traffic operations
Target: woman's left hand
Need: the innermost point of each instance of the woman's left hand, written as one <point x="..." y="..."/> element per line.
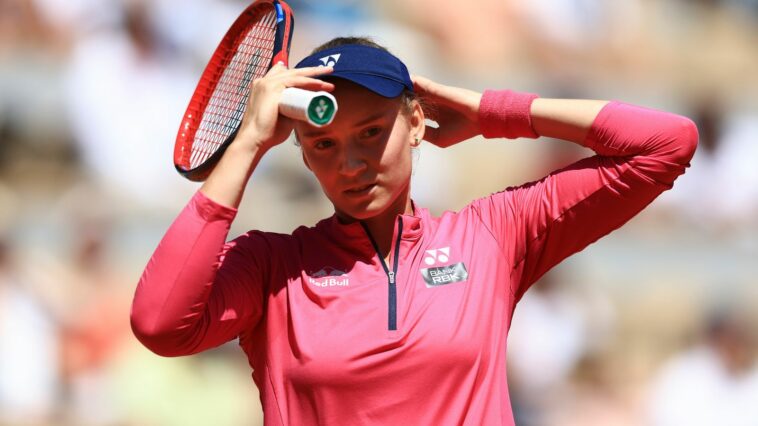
<point x="455" y="110"/>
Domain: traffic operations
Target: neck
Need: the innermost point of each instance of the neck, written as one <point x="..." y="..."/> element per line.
<point x="382" y="226"/>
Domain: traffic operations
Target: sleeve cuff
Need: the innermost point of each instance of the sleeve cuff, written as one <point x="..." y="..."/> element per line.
<point x="211" y="210"/>
<point x="598" y="129"/>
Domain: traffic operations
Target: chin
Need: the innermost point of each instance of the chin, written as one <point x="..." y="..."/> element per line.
<point x="364" y="209"/>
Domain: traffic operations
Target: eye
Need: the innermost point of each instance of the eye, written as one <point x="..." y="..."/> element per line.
<point x="323" y="144"/>
<point x="371" y="132"/>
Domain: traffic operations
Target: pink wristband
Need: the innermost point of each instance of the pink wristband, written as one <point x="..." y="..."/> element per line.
<point x="506" y="114"/>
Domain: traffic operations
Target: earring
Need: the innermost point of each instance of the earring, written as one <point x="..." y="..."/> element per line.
<point x="417" y="140"/>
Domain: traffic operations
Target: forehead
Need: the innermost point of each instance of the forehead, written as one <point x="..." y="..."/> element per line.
<point x="356" y="105"/>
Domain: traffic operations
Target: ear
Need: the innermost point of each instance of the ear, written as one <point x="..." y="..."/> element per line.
<point x="417" y="124"/>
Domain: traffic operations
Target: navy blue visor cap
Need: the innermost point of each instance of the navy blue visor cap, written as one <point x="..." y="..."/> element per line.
<point x="370" y="67"/>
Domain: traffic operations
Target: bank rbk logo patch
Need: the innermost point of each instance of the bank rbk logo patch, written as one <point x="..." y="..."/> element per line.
<point x="441" y="275"/>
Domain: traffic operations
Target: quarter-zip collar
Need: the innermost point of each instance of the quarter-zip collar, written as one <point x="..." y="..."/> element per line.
<point x="391" y="273"/>
<point x="353" y="233"/>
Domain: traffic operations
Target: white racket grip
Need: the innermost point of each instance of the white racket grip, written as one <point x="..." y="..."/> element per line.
<point x="316" y="108"/>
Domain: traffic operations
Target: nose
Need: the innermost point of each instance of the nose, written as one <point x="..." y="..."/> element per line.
<point x="353" y="161"/>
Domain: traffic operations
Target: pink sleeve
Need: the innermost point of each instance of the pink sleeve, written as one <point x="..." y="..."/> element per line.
<point x="640" y="153"/>
<point x="197" y="292"/>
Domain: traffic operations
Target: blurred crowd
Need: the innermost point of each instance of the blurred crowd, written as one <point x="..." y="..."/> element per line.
<point x="655" y="324"/>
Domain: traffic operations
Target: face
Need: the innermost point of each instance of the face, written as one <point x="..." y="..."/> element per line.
<point x="363" y="158"/>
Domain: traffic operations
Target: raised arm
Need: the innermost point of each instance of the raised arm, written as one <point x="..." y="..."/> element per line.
<point x="640" y="152"/>
<point x="197" y="292"/>
<point x="262" y="128"/>
<point x="566" y="119"/>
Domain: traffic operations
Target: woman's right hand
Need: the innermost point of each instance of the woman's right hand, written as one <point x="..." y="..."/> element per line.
<point x="262" y="127"/>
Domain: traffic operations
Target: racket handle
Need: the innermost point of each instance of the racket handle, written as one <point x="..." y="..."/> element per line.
<point x="316" y="108"/>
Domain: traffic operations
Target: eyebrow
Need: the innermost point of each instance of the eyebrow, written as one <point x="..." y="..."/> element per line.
<point x="369" y="119"/>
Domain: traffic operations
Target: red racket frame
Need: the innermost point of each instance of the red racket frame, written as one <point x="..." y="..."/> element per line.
<point x="212" y="75"/>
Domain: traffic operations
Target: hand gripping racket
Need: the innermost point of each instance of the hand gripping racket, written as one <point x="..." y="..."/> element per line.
<point x="258" y="39"/>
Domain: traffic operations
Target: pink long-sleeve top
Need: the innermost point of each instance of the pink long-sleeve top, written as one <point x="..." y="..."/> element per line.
<point x="336" y="337"/>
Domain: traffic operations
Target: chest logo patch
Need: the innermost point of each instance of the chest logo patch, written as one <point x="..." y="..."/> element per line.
<point x="437" y="255"/>
<point x="329" y="277"/>
<point x="441" y="275"/>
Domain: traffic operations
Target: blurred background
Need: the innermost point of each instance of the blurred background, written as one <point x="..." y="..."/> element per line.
<point x="655" y="324"/>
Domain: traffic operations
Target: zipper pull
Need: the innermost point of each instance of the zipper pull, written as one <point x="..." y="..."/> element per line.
<point x="391" y="276"/>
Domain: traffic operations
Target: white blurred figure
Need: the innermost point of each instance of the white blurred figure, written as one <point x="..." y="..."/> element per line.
<point x="553" y="328"/>
<point x="28" y="351"/>
<point x="715" y="383"/>
<point x="127" y="94"/>
<point x="195" y="27"/>
<point x="547" y="338"/>
<point x="720" y="191"/>
<point x="574" y="23"/>
<point x="582" y="25"/>
<point x="78" y="16"/>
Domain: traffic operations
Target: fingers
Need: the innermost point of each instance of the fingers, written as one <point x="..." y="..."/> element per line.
<point x="309" y="83"/>
<point x="313" y="71"/>
<point x="437" y="93"/>
<point x="280" y="69"/>
<point x="279" y="76"/>
<point x="421" y="84"/>
<point x="432" y="134"/>
<point x="427" y="87"/>
<point x="279" y="83"/>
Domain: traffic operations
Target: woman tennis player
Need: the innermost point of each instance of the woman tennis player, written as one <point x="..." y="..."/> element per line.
<point x="384" y="314"/>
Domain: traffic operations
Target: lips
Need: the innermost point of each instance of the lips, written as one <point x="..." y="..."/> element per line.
<point x="359" y="190"/>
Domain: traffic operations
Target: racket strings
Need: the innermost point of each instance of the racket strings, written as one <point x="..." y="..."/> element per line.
<point x="225" y="108"/>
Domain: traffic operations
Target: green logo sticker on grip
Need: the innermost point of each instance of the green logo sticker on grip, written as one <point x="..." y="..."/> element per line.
<point x="321" y="110"/>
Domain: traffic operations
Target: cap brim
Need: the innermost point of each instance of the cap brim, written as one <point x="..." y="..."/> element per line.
<point x="379" y="85"/>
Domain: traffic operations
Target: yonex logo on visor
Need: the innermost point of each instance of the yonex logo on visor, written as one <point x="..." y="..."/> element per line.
<point x="373" y="68"/>
<point x="330" y="60"/>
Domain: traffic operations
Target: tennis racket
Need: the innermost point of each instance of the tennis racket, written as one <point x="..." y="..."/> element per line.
<point x="259" y="38"/>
